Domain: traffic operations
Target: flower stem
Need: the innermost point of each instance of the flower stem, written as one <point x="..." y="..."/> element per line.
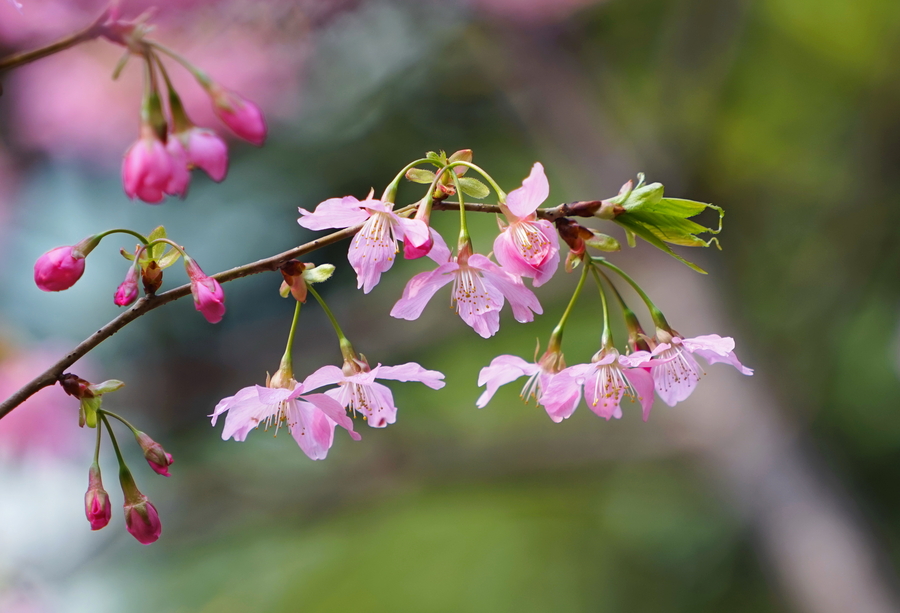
<point x="465" y="241"/>
<point x="287" y="361"/>
<point x="112" y="436"/>
<point x="120" y="418"/>
<point x="140" y="237"/>
<point x="501" y="195"/>
<point x="97" y="448"/>
<point x="658" y="318"/>
<point x="26" y="57"/>
<point x="556" y="335"/>
<point x="606" y="339"/>
<point x="390" y="192"/>
<point x="342" y="339"/>
<point x="635" y="332"/>
<point x="198" y="74"/>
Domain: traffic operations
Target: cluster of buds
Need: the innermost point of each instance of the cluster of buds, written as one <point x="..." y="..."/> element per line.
<point x="170" y="144"/>
<point x="141" y="517"/>
<point x="60" y="268"/>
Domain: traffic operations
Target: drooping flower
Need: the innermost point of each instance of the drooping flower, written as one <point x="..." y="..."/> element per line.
<point x="507" y="368"/>
<point x="243" y="117"/>
<point x="677" y="373"/>
<point x="141" y="517"/>
<point x="311" y="418"/>
<point x="127" y="292"/>
<point x="96" y="501"/>
<point x="374" y="247"/>
<point x="205" y="150"/>
<point x="209" y="297"/>
<point x="480" y="289"/>
<point x="155" y="455"/>
<point x="180" y="177"/>
<point x="58" y="269"/>
<point x="147" y="169"/>
<point x="358" y="390"/>
<point x="528" y="246"/>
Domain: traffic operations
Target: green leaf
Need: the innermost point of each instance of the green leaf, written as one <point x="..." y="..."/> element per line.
<point x="318" y="274"/>
<point x="603" y="242"/>
<point x="645" y="233"/>
<point x="168" y="259"/>
<point x="128" y="256"/>
<point x="474" y="187"/>
<point x="435" y="158"/>
<point x="156" y="251"/>
<point x="420" y="175"/>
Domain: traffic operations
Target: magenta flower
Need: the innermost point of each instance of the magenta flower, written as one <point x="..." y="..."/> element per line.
<point x="677" y="372"/>
<point x="155" y="455"/>
<point x="147" y="169"/>
<point x="142" y="520"/>
<point x="180" y="176"/>
<point x="480" y="289"/>
<point x="127" y="292"/>
<point x="311" y="418"/>
<point x="606" y="380"/>
<point x="373" y="248"/>
<point x="206" y="150"/>
<point x="242" y="116"/>
<point x="96" y="501"/>
<point x="507" y="368"/>
<point x="209" y="297"/>
<point x="358" y="391"/>
<point x="58" y="269"/>
<point x="528" y="247"/>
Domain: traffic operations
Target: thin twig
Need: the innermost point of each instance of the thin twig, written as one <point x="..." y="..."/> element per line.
<point x="25" y="57"/>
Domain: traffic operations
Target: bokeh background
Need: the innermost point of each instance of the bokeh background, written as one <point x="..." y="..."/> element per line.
<point x="764" y="494"/>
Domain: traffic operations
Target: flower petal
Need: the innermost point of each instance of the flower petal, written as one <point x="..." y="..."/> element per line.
<point x="334" y="213"/>
<point x="311" y="428"/>
<point x="420" y="289"/>
<point x="502" y="370"/>
<point x="334" y="410"/>
<point x="412" y="372"/>
<point x="327" y="375"/>
<point x="521" y="299"/>
<point x="525" y="200"/>
<point x="643" y="384"/>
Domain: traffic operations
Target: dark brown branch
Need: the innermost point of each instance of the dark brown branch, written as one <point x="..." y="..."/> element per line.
<point x="577" y="209"/>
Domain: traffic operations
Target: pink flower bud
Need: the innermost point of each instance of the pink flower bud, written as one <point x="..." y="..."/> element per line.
<point x="206" y="150"/>
<point x="58" y="269"/>
<point x="147" y="169"/>
<point x="128" y="290"/>
<point x="155" y="455"/>
<point x="96" y="501"/>
<point x="242" y="116"/>
<point x="180" y="177"/>
<point x="209" y="298"/>
<point x="142" y="520"/>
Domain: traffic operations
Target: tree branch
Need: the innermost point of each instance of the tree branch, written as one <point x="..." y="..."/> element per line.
<point x="26" y="57"/>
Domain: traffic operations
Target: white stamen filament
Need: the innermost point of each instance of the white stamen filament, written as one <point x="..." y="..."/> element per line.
<point x="531" y="242"/>
<point x="682" y="367"/>
<point x="610" y="383"/>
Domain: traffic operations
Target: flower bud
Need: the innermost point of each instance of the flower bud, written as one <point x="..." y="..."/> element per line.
<point x="206" y="150"/>
<point x="147" y="169"/>
<point x="209" y="298"/>
<point x="128" y="290"/>
<point x="58" y="269"/>
<point x="155" y="455"/>
<point x="180" y="177"/>
<point x="292" y="271"/>
<point x="242" y="116"/>
<point x="96" y="501"/>
<point x="151" y="276"/>
<point x="141" y="518"/>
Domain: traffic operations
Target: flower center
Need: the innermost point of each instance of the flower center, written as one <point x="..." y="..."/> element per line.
<point x="376" y="236"/>
<point x="531" y="242"/>
<point x="683" y="369"/>
<point x="470" y="294"/>
<point x="611" y="385"/>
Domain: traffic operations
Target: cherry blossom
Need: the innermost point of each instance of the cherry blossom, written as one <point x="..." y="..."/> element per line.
<point x="209" y="297"/>
<point x="480" y="288"/>
<point x="528" y="247"/>
<point x="147" y="170"/>
<point x="58" y="269"/>
<point x="358" y="390"/>
<point x="311" y="418"/>
<point x="677" y="373"/>
<point x="374" y="247"/>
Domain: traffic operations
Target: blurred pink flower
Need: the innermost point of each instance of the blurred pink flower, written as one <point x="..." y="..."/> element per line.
<point x="58" y="269"/>
<point x="528" y="247"/>
<point x="311" y="418"/>
<point x="373" y="248"/>
<point x="480" y="289"/>
<point x="149" y="170"/>
<point x="358" y="391"/>
<point x="206" y="150"/>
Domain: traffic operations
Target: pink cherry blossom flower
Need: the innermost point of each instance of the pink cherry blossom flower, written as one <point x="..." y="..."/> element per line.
<point x="147" y="169"/>
<point x="528" y="247"/>
<point x="58" y="269"/>
<point x="507" y="368"/>
<point x="311" y="418"/>
<point x="677" y="373"/>
<point x="127" y="292"/>
<point x="205" y="150"/>
<point x="606" y="380"/>
<point x="209" y="297"/>
<point x="373" y="248"/>
<point x="180" y="177"/>
<point x="480" y="289"/>
<point x="358" y="390"/>
<point x="96" y="501"/>
<point x="242" y="116"/>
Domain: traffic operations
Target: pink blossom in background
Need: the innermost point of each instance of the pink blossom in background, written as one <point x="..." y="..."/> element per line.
<point x="677" y="373"/>
<point x="45" y="425"/>
<point x="528" y="246"/>
<point x="480" y="288"/>
<point x="358" y="391"/>
<point x="374" y="248"/>
<point x="311" y="418"/>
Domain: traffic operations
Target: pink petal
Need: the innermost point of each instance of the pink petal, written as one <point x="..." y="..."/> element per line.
<point x="272" y="395"/>
<point x="334" y="213"/>
<point x="502" y="370"/>
<point x="411" y="372"/>
<point x="327" y="375"/>
<point x="414" y="231"/>
<point x="382" y="412"/>
<point x="643" y="385"/>
<point x="709" y="342"/>
<point x="420" y="289"/>
<point x="675" y="379"/>
<point x="373" y="251"/>
<point x="601" y="396"/>
<point x="440" y="253"/>
<point x="560" y="397"/>
<point x="334" y="410"/>
<point x="525" y="200"/>
<point x="311" y="428"/>
<point x="521" y="299"/>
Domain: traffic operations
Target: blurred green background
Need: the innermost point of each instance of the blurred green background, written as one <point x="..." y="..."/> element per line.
<point x="775" y="493"/>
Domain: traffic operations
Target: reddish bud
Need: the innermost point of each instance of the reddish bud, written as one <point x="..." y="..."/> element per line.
<point x="209" y="298"/>
<point x="58" y="269"/>
<point x="292" y="271"/>
<point x="180" y="176"/>
<point x="206" y="150"/>
<point x="147" y="169"/>
<point x="141" y="518"/>
<point x="128" y="290"/>
<point x="573" y="233"/>
<point x="242" y="116"/>
<point x="96" y="501"/>
<point x="151" y="276"/>
<point x="155" y="455"/>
